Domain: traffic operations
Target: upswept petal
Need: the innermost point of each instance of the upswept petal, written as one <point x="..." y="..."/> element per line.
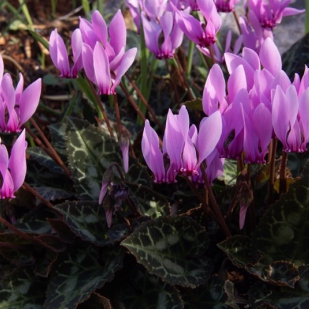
<point x="280" y="116"/>
<point x="152" y="153"/>
<point x="59" y="54"/>
<point x="8" y="92"/>
<point x="99" y="26"/>
<point x="270" y="57"/>
<point x="262" y="123"/>
<point x="210" y="131"/>
<point x="4" y="160"/>
<point x="303" y="114"/>
<point x="19" y="88"/>
<point x="77" y="44"/>
<point x="87" y="57"/>
<point x="117" y="32"/>
<point x="236" y="82"/>
<point x="124" y="65"/>
<point x="173" y="140"/>
<point x="29" y="100"/>
<point x="214" y="91"/>
<point x="152" y="31"/>
<point x="17" y="162"/>
<point x="89" y="35"/>
<point x="101" y="69"/>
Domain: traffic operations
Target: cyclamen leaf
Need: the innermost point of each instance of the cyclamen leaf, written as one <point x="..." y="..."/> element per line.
<point x="210" y="296"/>
<point x="95" y="301"/>
<point x="21" y="290"/>
<point x="91" y="152"/>
<point x="141" y="290"/>
<point x="282" y="234"/>
<point x="78" y="274"/>
<point x="87" y="220"/>
<point x="172" y="248"/>
<point x="282" y="297"/>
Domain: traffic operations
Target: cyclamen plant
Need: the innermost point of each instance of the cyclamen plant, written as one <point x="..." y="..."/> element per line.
<point x="200" y="202"/>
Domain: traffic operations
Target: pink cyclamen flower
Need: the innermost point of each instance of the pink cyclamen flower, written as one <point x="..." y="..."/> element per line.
<point x="105" y="60"/>
<point x="225" y="5"/>
<point x="152" y="152"/>
<point x="17" y="105"/>
<point x="199" y="32"/>
<point x="13" y="168"/>
<point x="59" y="54"/>
<point x="164" y="28"/>
<point x="270" y="12"/>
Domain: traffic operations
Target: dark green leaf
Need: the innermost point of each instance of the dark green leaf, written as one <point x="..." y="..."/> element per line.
<point x="90" y="153"/>
<point x="79" y="273"/>
<point x="141" y="290"/>
<point x="22" y="290"/>
<point x="211" y="296"/>
<point x="148" y="202"/>
<point x="95" y="301"/>
<point x="172" y="248"/>
<point x="87" y="220"/>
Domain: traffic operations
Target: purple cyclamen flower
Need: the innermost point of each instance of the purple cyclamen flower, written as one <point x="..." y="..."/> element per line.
<point x="199" y="32"/>
<point x="13" y="168"/>
<point x="164" y="29"/>
<point x="152" y="153"/>
<point x="184" y="146"/>
<point x="225" y="5"/>
<point x="17" y="105"/>
<point x="59" y="54"/>
<point x="270" y="12"/>
<point x="105" y="61"/>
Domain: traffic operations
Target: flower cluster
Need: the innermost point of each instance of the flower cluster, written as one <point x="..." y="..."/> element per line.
<point x="17" y="105"/>
<point x="13" y="168"/>
<point x="185" y="147"/>
<point x="96" y="48"/>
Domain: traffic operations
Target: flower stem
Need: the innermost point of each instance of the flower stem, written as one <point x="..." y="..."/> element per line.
<point x="144" y="102"/>
<point x="216" y="208"/>
<point x="282" y="184"/>
<point x="272" y="170"/>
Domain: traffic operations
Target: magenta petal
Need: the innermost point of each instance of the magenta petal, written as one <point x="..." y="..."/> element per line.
<point x="280" y="117"/>
<point x="214" y="91"/>
<point x="270" y="57"/>
<point x="152" y="153"/>
<point x="8" y="92"/>
<point x="124" y="65"/>
<point x="17" y="162"/>
<point x="209" y="134"/>
<point x="99" y="26"/>
<point x="87" y="57"/>
<point x="117" y="32"/>
<point x="59" y="54"/>
<point x="262" y="123"/>
<point x="4" y="160"/>
<point x="29" y="100"/>
<point x="101" y="69"/>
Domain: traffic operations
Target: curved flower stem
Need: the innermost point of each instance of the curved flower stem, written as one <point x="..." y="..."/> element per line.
<point x="273" y="148"/>
<point x="205" y="204"/>
<point x="101" y="107"/>
<point x="237" y="21"/>
<point x="190" y="58"/>
<point x="183" y="77"/>
<point x="284" y="160"/>
<point x="54" y="153"/>
<point x="118" y="120"/>
<point x="216" y="208"/>
<point x="132" y="102"/>
<point x="143" y="100"/>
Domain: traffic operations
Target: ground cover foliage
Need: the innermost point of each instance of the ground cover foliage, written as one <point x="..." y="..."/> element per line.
<point x="85" y="230"/>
